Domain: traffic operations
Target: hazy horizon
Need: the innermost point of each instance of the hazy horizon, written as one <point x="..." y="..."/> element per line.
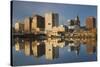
<point x="22" y="9"/>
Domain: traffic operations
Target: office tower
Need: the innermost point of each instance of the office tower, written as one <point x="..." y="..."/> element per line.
<point x="37" y="23"/>
<point x="90" y="22"/>
<point x="19" y="27"/>
<point x="27" y="24"/>
<point x="51" y="20"/>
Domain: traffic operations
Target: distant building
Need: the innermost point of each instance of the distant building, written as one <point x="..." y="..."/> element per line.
<point x="37" y="23"/>
<point x="77" y="21"/>
<point x="61" y="30"/>
<point x="51" y="20"/>
<point x="27" y="24"/>
<point x="56" y="31"/>
<point x="77" y="24"/>
<point x="66" y="28"/>
<point x="90" y="22"/>
<point x="71" y="25"/>
<point x="71" y="22"/>
<point x="74" y="24"/>
<point x="83" y="28"/>
<point x="19" y="27"/>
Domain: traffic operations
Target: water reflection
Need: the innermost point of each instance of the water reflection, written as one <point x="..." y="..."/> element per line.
<point x="51" y="48"/>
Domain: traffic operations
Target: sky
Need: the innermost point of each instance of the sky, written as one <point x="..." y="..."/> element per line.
<point x="22" y="9"/>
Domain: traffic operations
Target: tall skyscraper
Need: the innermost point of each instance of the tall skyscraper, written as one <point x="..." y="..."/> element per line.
<point x="90" y="22"/>
<point x="37" y="22"/>
<point x="27" y="24"/>
<point x="51" y="20"/>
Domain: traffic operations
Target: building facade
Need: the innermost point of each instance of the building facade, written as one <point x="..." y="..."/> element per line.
<point x="90" y="22"/>
<point x="38" y="23"/>
<point x="19" y="27"/>
<point x="51" y="20"/>
<point x="27" y="24"/>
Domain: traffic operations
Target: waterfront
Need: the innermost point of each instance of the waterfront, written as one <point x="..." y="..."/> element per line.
<point x="28" y="51"/>
<point x="50" y="33"/>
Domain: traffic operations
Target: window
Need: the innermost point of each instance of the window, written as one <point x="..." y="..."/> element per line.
<point x="49" y="49"/>
<point x="49" y="23"/>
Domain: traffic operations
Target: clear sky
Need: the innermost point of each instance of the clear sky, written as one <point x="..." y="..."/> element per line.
<point x="22" y="9"/>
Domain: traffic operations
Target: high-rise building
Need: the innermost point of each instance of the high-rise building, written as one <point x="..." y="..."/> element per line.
<point x="37" y="23"/>
<point x="51" y="20"/>
<point x="19" y="27"/>
<point x="90" y="22"/>
<point x="27" y="24"/>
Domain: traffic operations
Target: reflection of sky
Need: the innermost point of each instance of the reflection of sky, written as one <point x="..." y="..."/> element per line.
<point x="24" y="9"/>
<point x="65" y="56"/>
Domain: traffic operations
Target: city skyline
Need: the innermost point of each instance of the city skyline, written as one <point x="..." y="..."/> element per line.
<point x="65" y="11"/>
<point x="50" y="33"/>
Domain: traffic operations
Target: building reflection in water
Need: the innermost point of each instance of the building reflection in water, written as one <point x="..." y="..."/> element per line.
<point x="27" y="47"/>
<point x="38" y="48"/>
<point x="50" y="47"/>
<point x="19" y="44"/>
<point x="90" y="45"/>
<point x="73" y="46"/>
